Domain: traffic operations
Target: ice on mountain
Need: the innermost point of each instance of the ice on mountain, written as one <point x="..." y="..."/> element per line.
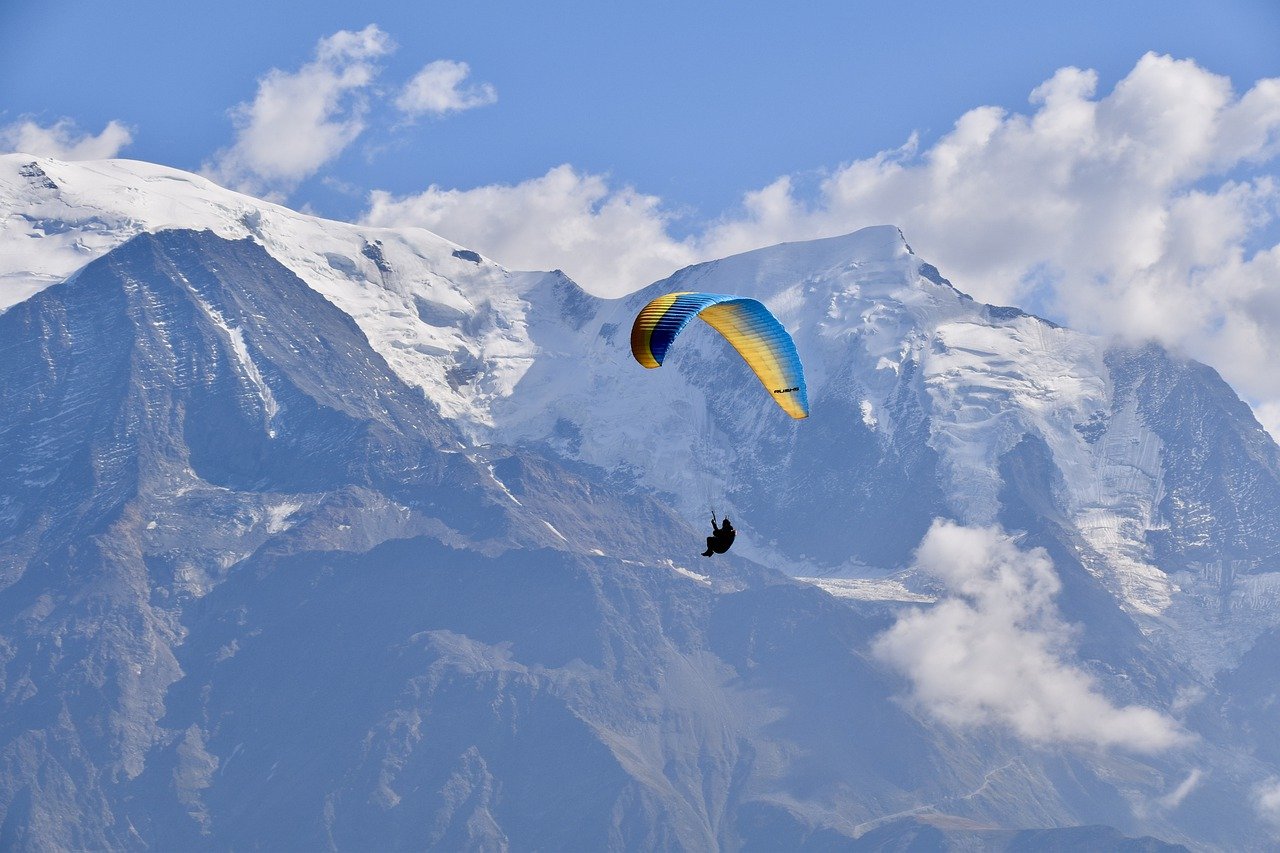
<point x="869" y="589"/>
<point x="235" y="337"/>
<point x="439" y="313"/>
<point x="342" y="264"/>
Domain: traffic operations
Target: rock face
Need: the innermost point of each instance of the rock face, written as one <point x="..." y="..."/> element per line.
<point x="185" y="407"/>
<point x="314" y="535"/>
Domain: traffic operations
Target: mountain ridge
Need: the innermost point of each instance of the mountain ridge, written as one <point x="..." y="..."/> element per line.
<point x="211" y="455"/>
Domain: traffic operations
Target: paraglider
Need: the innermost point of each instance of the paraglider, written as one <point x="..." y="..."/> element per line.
<point x="752" y="330"/>
<point x="745" y="323"/>
<point x="721" y="537"/>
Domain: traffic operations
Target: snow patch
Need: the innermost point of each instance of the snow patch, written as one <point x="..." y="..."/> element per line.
<point x="98" y="205"/>
<point x="869" y="589"/>
<point x="278" y="515"/>
<point x="251" y="372"/>
<point x="683" y="572"/>
<point x="507" y="491"/>
<point x="868" y="414"/>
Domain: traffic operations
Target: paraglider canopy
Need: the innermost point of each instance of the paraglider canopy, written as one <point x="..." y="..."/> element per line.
<point x="745" y="323"/>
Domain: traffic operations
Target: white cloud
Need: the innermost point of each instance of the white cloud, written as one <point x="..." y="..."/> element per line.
<point x="994" y="650"/>
<point x="1116" y="211"/>
<point x="1266" y="802"/>
<point x="606" y="239"/>
<point x="62" y="140"/>
<point x="299" y="121"/>
<point x="1187" y="697"/>
<point x="1268" y="414"/>
<point x="439" y="88"/>
<point x="1129" y="213"/>
<point x="1175" y="798"/>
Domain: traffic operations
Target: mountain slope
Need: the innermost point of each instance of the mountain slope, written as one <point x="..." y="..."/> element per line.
<point x="180" y="405"/>
<point x="918" y="393"/>
<point x="315" y="531"/>
<point x="257" y="594"/>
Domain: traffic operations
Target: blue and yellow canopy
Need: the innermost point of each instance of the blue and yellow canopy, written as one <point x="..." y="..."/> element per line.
<point x="745" y="323"/>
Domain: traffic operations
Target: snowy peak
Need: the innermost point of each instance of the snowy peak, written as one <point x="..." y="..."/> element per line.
<point x="183" y="362"/>
<point x="877" y="327"/>
<point x="920" y="397"/>
<point x="759" y="273"/>
<point x="182" y="367"/>
<point x="446" y="319"/>
<point x="806" y="281"/>
<point x="62" y="215"/>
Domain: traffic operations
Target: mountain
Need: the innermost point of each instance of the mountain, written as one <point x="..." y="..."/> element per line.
<point x="314" y="534"/>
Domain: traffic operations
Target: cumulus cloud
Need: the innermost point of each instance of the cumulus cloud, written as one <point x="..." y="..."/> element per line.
<point x="62" y="140"/>
<point x="995" y="650"/>
<point x="608" y="239"/>
<point x="1134" y="214"/>
<point x="440" y="87"/>
<point x="1098" y="195"/>
<point x="299" y="121"/>
<point x="1142" y="212"/>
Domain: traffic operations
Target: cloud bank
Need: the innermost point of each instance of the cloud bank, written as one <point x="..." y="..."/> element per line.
<point x="1144" y="212"/>
<point x="995" y="650"/>
<point x="299" y="121"/>
<point x="440" y="87"/>
<point x="62" y="140"/>
<point x="562" y="218"/>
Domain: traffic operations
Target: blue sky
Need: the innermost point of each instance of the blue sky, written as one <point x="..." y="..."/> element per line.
<point x="693" y="102"/>
<point x="1115" y="166"/>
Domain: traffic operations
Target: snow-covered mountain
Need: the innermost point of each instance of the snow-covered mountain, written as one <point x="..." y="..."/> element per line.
<point x="320" y="534"/>
<point x="1163" y="479"/>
